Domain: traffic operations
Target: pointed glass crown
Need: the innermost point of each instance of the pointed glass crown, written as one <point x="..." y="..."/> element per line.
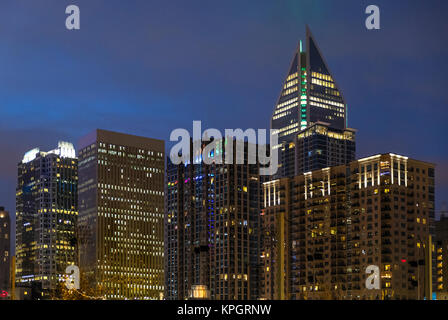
<point x="309" y="94"/>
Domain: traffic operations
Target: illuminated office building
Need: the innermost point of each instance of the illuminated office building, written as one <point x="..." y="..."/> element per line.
<point x="212" y="228"/>
<point x="190" y="207"/>
<point x="5" y="255"/>
<point x="441" y="256"/>
<point x="316" y="147"/>
<point x="121" y="212"/>
<point x="46" y="214"/>
<point x="323" y="228"/>
<point x="310" y="95"/>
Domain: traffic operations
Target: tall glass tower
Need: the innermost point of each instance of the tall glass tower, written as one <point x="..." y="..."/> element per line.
<point x="310" y="96"/>
<point x="212" y="229"/>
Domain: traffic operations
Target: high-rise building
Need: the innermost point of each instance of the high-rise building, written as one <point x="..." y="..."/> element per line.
<point x="441" y="255"/>
<point x="5" y="254"/>
<point x="190" y="207"/>
<point x="121" y="213"/>
<point x="441" y="227"/>
<point x="212" y="228"/>
<point x="316" y="147"/>
<point x="324" y="228"/>
<point x="46" y="214"/>
<point x="309" y="96"/>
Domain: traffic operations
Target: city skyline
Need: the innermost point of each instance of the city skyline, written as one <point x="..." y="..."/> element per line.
<point x="134" y="80"/>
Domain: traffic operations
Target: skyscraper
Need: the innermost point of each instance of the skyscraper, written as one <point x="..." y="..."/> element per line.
<point x="310" y="95"/>
<point x="5" y="255"/>
<point x="316" y="147"/>
<point x="121" y="202"/>
<point x="441" y="255"/>
<point x="213" y="228"/>
<point x="190" y="208"/>
<point x="46" y="213"/>
<point x="325" y="227"/>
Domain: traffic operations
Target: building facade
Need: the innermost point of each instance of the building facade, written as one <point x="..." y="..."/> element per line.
<point x="316" y="147"/>
<point x="121" y="201"/>
<point x="441" y="256"/>
<point x="46" y="214"/>
<point x="5" y="253"/>
<point x="212" y="228"/>
<point x="324" y="228"/>
<point x="190" y="207"/>
<point x="311" y="95"/>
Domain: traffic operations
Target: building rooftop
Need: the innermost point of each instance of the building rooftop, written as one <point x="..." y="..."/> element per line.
<point x="64" y="150"/>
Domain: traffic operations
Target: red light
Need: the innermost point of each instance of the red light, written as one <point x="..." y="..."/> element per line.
<point x="403" y="260"/>
<point x="3" y="294"/>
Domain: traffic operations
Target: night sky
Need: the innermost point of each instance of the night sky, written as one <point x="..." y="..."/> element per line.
<point x="148" y="67"/>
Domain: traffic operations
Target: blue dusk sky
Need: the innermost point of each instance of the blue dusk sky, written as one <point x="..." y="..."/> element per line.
<point x="147" y="67"/>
